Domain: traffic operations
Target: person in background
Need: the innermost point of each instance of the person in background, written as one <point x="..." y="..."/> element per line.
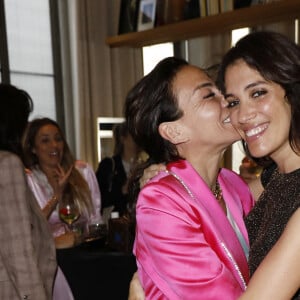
<point x="249" y="169"/>
<point x="53" y="173"/>
<point x="27" y="253"/>
<point x="113" y="172"/>
<point x="260" y="78"/>
<point x="191" y="241"/>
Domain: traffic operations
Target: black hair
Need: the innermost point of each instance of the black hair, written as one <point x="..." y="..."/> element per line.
<point x="16" y="105"/>
<point x="148" y="104"/>
<point x="151" y="102"/>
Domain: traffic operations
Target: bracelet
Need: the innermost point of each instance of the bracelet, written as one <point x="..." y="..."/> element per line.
<point x="53" y="200"/>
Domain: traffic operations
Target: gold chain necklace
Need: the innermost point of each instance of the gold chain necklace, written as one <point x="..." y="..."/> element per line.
<point x="217" y="191"/>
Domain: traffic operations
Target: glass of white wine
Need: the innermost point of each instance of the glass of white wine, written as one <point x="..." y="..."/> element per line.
<point x="68" y="212"/>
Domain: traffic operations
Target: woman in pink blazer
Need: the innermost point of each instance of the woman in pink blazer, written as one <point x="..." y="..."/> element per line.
<point x="191" y="241"/>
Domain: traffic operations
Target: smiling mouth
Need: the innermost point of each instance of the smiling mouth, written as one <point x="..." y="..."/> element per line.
<point x="54" y="153"/>
<point x="255" y="131"/>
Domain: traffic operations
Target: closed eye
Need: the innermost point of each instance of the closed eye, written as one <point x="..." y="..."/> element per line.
<point x="210" y="95"/>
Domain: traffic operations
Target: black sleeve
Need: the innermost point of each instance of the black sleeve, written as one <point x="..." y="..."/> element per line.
<point x="104" y="175"/>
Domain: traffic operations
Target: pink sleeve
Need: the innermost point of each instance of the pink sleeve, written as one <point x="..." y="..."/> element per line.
<point x="175" y="259"/>
<point x="41" y="195"/>
<point x="240" y="187"/>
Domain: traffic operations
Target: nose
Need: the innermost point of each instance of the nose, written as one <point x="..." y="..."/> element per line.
<point x="54" y="143"/>
<point x="246" y="113"/>
<point x="223" y="102"/>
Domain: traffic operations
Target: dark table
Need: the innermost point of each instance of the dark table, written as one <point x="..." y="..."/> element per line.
<point x="96" y="272"/>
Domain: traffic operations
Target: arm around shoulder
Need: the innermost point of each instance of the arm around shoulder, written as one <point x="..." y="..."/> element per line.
<point x="136" y="291"/>
<point x="278" y="276"/>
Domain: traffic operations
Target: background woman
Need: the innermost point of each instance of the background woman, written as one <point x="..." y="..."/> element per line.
<point x="53" y="174"/>
<point x="113" y="172"/>
<point x="191" y="240"/>
<point x="260" y="77"/>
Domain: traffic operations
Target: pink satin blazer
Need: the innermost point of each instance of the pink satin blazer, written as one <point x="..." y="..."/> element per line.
<point x="185" y="246"/>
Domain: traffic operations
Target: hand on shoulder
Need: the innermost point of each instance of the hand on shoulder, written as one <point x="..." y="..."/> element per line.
<point x="284" y="257"/>
<point x="150" y="172"/>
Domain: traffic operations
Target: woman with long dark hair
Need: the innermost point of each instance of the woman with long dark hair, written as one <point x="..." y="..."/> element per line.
<point x="260" y="78"/>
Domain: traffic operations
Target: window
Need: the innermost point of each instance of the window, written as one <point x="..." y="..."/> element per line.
<point x="29" y="62"/>
<point x="153" y="54"/>
<point x="105" y="135"/>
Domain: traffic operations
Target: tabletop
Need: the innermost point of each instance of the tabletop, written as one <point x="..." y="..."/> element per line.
<point x="96" y="272"/>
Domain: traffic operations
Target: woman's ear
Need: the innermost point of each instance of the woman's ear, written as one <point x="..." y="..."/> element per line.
<point x="172" y="131"/>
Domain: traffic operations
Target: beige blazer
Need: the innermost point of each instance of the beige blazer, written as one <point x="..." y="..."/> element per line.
<point x="27" y="252"/>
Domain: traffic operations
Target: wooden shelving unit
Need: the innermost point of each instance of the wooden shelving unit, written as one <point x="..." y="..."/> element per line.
<point x="244" y="17"/>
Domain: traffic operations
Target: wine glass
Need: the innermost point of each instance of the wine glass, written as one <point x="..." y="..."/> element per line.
<point x="68" y="212"/>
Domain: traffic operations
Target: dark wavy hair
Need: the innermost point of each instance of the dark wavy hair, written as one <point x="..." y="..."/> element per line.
<point x="148" y="104"/>
<point x="277" y="59"/>
<point x="16" y="105"/>
<point x="151" y="102"/>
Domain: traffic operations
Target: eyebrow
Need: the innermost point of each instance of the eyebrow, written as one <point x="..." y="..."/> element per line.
<point x="203" y="85"/>
<point x="254" y="84"/>
<point x="44" y="134"/>
<point x="49" y="134"/>
<point x="250" y="85"/>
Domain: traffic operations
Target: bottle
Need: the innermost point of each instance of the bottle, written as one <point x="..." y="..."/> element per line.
<point x="120" y="235"/>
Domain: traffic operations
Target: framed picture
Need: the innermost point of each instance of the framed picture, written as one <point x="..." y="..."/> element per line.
<point x="146" y="16"/>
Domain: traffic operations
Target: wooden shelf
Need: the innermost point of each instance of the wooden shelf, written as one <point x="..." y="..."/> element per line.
<point x="244" y="17"/>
